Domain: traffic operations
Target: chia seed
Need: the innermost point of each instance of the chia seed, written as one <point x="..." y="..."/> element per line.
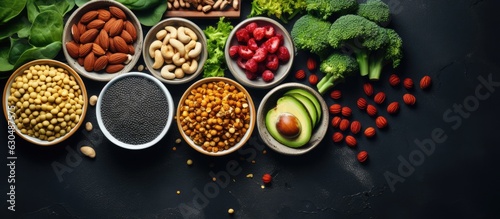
<point x="134" y="110"/>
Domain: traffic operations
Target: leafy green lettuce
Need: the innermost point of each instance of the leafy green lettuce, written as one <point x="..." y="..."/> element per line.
<point x="284" y="10"/>
<point x="216" y="41"/>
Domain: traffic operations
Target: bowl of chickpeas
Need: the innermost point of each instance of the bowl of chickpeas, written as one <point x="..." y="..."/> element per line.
<point x="44" y="102"/>
<point x="216" y="116"/>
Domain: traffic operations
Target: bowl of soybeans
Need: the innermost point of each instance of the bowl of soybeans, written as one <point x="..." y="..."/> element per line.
<point x="44" y="102"/>
<point x="216" y="116"/>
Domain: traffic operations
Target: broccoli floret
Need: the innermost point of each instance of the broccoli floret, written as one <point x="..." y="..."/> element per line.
<point x="324" y="9"/>
<point x="392" y="53"/>
<point x="311" y="33"/>
<point x="358" y="35"/>
<point x="284" y="10"/>
<point x="375" y="10"/>
<point x="336" y="67"/>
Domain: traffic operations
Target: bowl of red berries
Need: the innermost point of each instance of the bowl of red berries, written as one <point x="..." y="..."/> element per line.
<point x="259" y="52"/>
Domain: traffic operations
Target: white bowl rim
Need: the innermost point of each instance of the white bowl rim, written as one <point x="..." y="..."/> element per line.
<point x="169" y="117"/>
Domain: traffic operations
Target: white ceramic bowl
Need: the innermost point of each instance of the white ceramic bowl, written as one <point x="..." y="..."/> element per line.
<point x="10" y="115"/>
<point x="251" y="123"/>
<point x="151" y="36"/>
<point x="283" y="70"/>
<point x="139" y="101"/>
<point x="75" y="18"/>
<point x="269" y="102"/>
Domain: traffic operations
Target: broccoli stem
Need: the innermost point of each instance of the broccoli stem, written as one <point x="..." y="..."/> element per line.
<point x="363" y="62"/>
<point x="376" y="65"/>
<point x="326" y="83"/>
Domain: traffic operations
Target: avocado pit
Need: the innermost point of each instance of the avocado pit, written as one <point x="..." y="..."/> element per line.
<point x="288" y="125"/>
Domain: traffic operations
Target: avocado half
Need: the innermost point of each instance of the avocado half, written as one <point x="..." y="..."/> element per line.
<point x="310" y="96"/>
<point x="309" y="105"/>
<point x="290" y="105"/>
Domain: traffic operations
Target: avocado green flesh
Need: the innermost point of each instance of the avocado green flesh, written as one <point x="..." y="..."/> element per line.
<point x="289" y="104"/>
<point x="311" y="109"/>
<point x="311" y="97"/>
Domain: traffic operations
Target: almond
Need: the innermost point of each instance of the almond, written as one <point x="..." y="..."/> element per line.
<point x="127" y="37"/>
<point x="112" y="45"/>
<point x="96" y="24"/>
<point x="81" y="29"/>
<point x="131" y="49"/>
<point x="393" y="108"/>
<point x="379" y="98"/>
<point x="73" y="49"/>
<point x="89" y="36"/>
<point x="101" y="63"/>
<point x="351" y="141"/>
<point x="80" y="60"/>
<point x="371" y="110"/>
<point x="97" y="50"/>
<point x="104" y="15"/>
<point x="103" y="40"/>
<point x="116" y="28"/>
<point x="89" y="16"/>
<point x="88" y="62"/>
<point x="120" y="44"/>
<point x="381" y="122"/>
<point x="85" y="49"/>
<point x="355" y="127"/>
<point x="108" y="24"/>
<point x="130" y="28"/>
<point x="117" y="12"/>
<point x="337" y="137"/>
<point x="114" y="68"/>
<point x="75" y="33"/>
<point x="117" y="58"/>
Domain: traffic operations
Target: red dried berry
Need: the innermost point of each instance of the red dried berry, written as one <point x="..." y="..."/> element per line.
<point x="300" y="74"/>
<point x="311" y="64"/>
<point x="370" y="132"/>
<point x="409" y="99"/>
<point x="368" y="89"/>
<point x="362" y="156"/>
<point x="336" y="121"/>
<point x="379" y="98"/>
<point x="425" y="82"/>
<point x="393" y="108"/>
<point x="336" y="94"/>
<point x="337" y="137"/>
<point x="394" y="80"/>
<point x="381" y="122"/>
<point x="350" y="141"/>
<point x="335" y="108"/>
<point x="344" y="124"/>
<point x="267" y="178"/>
<point x="355" y="127"/>
<point x="313" y="79"/>
<point x="361" y="103"/>
<point x="408" y="83"/>
<point x="371" y="110"/>
<point x="346" y="111"/>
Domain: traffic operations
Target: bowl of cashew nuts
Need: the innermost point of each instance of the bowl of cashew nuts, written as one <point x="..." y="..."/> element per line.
<point x="175" y="50"/>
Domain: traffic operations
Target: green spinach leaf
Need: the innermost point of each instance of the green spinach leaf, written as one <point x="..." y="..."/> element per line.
<point x="36" y="7"/>
<point x="47" y="52"/>
<point x="47" y="28"/>
<point x="10" y="9"/>
<point x="141" y="4"/>
<point x="150" y="19"/>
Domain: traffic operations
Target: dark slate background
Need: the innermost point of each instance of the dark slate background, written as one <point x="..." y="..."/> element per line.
<point x="453" y="41"/>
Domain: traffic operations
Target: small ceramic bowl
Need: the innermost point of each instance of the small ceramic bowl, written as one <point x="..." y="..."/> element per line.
<point x="134" y="47"/>
<point x="269" y="102"/>
<point x="158" y="33"/>
<point x="219" y="128"/>
<point x="284" y="68"/>
<point x="33" y="106"/>
<point x="134" y="117"/>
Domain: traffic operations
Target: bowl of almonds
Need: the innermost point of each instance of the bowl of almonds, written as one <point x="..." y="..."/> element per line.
<point x="102" y="39"/>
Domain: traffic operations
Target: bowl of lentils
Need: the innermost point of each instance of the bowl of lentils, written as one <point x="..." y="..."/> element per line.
<point x="216" y="116"/>
<point x="134" y="110"/>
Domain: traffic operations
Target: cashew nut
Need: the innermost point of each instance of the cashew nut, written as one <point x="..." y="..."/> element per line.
<point x="191" y="33"/>
<point x="161" y="34"/>
<point x="158" y="60"/>
<point x="167" y="51"/>
<point x="165" y="71"/>
<point x="190" y="46"/>
<point x="172" y="30"/>
<point x="177" y="46"/>
<point x="196" y="51"/>
<point x="167" y="38"/>
<point x="179" y="73"/>
<point x="181" y="35"/>
<point x="178" y="61"/>
<point x="153" y="47"/>
<point x="190" y="68"/>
